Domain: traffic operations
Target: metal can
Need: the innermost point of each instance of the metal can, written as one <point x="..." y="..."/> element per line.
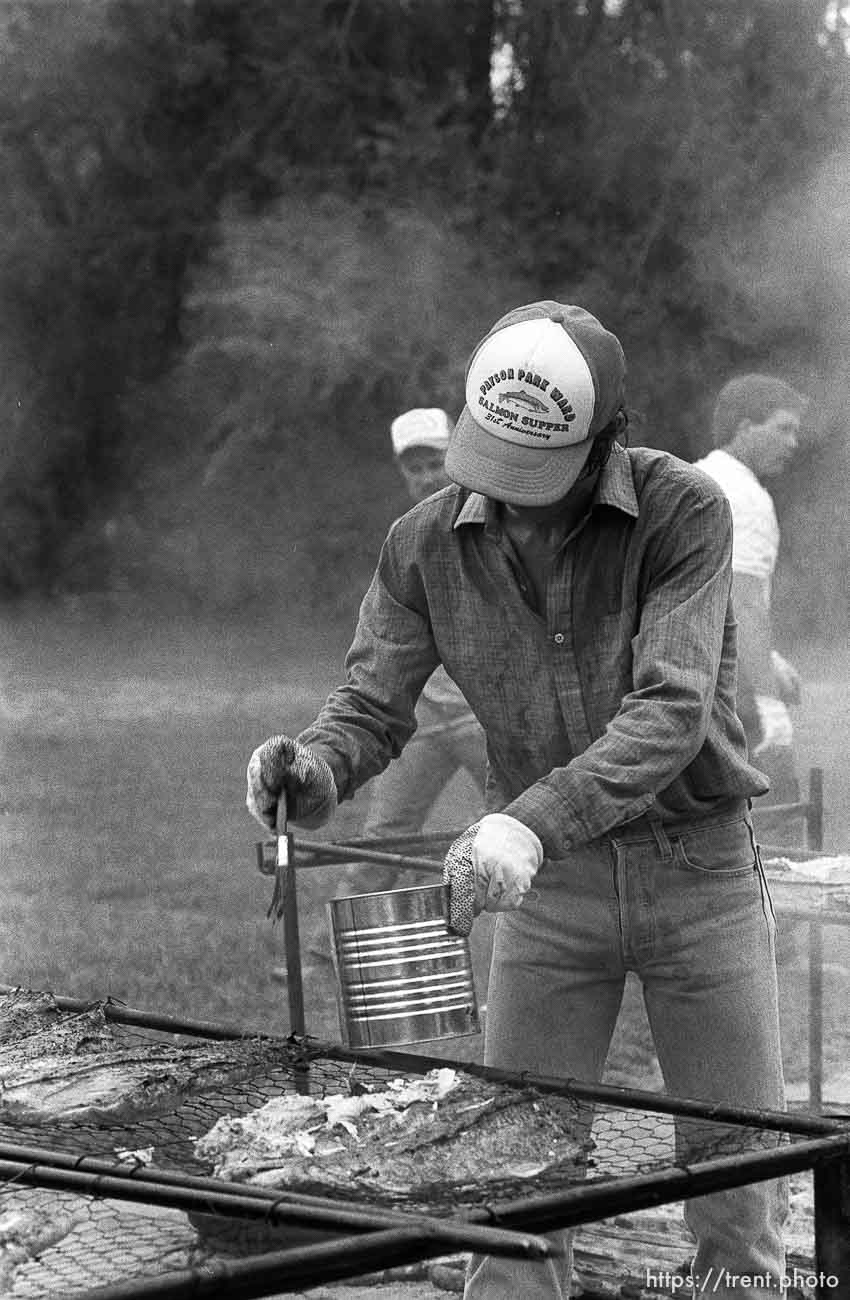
<point x="402" y="975"/>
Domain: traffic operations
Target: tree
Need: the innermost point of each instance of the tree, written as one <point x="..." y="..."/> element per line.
<point x="658" y="162"/>
<point x="641" y="148"/>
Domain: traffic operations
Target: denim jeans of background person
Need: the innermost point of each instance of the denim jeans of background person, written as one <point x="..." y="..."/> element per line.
<point x="579" y="594"/>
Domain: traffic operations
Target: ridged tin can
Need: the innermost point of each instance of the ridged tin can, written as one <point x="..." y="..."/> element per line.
<point x="402" y="975"/>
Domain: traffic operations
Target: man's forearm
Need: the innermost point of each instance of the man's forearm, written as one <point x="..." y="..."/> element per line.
<point x="357" y="737"/>
<point x="617" y="778"/>
<point x="749" y="601"/>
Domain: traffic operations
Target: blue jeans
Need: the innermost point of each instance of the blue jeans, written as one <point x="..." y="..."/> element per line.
<point x="403" y="796"/>
<point x="690" y="914"/>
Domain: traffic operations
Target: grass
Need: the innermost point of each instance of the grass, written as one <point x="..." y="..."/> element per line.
<point x="128" y="856"/>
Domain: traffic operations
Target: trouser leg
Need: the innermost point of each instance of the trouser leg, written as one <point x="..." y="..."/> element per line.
<point x="403" y="795"/>
<point x="556" y="984"/>
<point x="406" y="792"/>
<point x="711" y="997"/>
<point x="470" y="754"/>
<point x="400" y="800"/>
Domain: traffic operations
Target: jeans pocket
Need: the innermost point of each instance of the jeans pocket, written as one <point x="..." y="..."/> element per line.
<point x="725" y="851"/>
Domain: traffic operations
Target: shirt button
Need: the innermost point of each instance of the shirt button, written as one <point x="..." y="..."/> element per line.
<point x="558" y="638"/>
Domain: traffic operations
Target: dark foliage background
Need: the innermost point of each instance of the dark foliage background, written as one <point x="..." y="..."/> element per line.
<point x="236" y="237"/>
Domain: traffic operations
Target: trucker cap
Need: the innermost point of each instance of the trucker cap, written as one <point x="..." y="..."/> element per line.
<point x="540" y="384"/>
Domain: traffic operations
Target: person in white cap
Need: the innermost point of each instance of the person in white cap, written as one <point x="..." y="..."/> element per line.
<point x="448" y="743"/>
<point x="578" y="592"/>
<point x="756" y="428"/>
<point x="420" y="439"/>
<point x="447" y="749"/>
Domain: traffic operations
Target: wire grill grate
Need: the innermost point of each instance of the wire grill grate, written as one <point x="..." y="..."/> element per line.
<point x="58" y="1243"/>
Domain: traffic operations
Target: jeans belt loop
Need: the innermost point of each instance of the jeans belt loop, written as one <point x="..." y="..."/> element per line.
<point x="665" y="848"/>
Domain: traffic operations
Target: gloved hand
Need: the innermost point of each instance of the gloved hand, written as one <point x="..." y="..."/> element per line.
<point x="775" y="722"/>
<point x="787" y="679"/>
<point x="490" y="868"/>
<point x="282" y="764"/>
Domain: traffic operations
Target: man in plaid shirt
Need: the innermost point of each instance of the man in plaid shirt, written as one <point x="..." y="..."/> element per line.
<point x="579" y="595"/>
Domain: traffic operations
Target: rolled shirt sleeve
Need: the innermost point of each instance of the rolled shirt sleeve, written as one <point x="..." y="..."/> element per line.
<point x="366" y="722"/>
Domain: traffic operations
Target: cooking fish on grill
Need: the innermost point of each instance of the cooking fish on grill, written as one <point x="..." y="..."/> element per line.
<point x="415" y="1140"/>
<point x="113" y="1087"/>
<point x="61" y="1067"/>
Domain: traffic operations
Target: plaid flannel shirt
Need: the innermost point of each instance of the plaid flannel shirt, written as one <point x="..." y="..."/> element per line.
<point x="617" y="701"/>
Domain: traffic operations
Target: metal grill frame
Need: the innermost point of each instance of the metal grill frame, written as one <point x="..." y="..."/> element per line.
<point x="397" y="851"/>
<point x="817" y="915"/>
<point x="384" y="1240"/>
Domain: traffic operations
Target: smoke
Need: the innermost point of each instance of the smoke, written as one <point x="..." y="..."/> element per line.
<point x="788" y="272"/>
<point x="798" y="266"/>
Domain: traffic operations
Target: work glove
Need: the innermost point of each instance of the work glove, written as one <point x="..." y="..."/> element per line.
<point x="490" y="868"/>
<point x="776" y="729"/>
<point x="281" y="765"/>
<point x="787" y="679"/>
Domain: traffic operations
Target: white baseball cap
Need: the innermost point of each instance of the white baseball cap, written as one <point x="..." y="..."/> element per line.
<point x="421" y="427"/>
<point x="544" y="380"/>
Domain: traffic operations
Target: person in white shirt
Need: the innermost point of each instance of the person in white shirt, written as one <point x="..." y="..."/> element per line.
<point x="448" y="744"/>
<point x="756" y="433"/>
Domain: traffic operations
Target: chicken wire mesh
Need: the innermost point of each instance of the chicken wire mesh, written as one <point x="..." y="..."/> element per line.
<point x="63" y="1244"/>
<point x="57" y="1243"/>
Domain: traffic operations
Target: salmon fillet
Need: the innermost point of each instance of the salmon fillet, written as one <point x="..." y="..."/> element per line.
<point x="58" y="1067"/>
<point x="435" y="1135"/>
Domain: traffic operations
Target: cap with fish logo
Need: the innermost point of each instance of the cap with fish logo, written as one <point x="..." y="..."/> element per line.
<point x="542" y="382"/>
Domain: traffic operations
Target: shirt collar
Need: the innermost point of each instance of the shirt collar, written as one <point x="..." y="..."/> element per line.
<point x="615" y="488"/>
<point x="473" y="511"/>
